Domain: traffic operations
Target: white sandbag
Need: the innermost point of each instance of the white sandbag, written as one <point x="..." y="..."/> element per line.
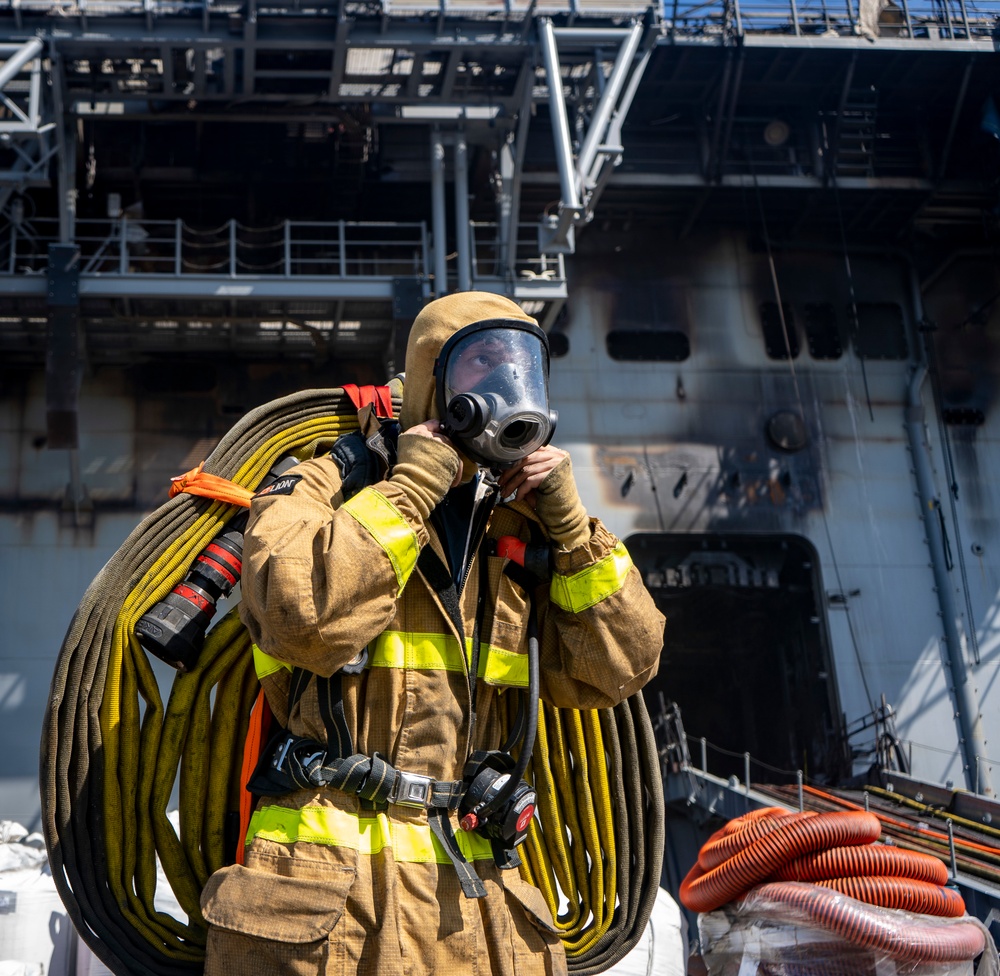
<point x="21" y="969"/>
<point x="663" y="948"/>
<point x="36" y="935"/>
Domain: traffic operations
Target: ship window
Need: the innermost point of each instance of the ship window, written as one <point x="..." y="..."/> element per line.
<point x="881" y="332"/>
<point x="558" y="344"/>
<point x="774" y="331"/>
<point x="648" y="345"/>
<point x="823" y="332"/>
<point x="649" y="323"/>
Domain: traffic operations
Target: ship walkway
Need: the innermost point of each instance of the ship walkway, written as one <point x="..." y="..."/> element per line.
<point x="922" y="20"/>
<point x="299" y="287"/>
<point x="306" y="260"/>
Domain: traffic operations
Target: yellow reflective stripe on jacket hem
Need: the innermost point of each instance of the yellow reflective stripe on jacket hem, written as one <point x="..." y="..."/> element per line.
<point x="410" y="842"/>
<point x="591" y="585"/>
<point x="387" y="526"/>
<point x="264" y="664"/>
<point x="440" y="652"/>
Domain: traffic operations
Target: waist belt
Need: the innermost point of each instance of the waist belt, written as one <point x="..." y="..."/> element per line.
<point x="292" y="762"/>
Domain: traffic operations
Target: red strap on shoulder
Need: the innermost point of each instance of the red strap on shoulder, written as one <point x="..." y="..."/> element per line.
<point x="384" y="404"/>
<point x="361" y="396"/>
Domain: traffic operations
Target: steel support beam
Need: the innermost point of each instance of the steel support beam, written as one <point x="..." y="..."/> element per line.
<point x="66" y="146"/>
<point x="952" y="125"/>
<point x="17" y="60"/>
<point x="439" y="243"/>
<point x="559" y="120"/>
<point x="602" y="168"/>
<point x="63" y="368"/>
<point x="972" y="738"/>
<point x="607" y="104"/>
<point x="462" y="242"/>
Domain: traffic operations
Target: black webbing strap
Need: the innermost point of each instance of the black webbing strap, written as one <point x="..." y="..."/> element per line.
<point x="297" y="686"/>
<point x="477" y="630"/>
<point x="291" y="762"/>
<point x="330" y="693"/>
<point x="472" y="885"/>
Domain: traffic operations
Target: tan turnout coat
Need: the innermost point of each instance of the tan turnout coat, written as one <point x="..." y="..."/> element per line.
<point x="328" y="887"/>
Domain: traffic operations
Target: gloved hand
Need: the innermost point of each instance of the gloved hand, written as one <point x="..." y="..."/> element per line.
<point x="558" y="505"/>
<point x="427" y="466"/>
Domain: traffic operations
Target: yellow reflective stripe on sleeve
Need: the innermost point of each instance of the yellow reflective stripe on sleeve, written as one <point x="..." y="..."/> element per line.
<point x="411" y="842"/>
<point x="440" y="652"/>
<point x="504" y="667"/>
<point x="388" y="528"/>
<point x="591" y="585"/>
<point x="264" y="664"/>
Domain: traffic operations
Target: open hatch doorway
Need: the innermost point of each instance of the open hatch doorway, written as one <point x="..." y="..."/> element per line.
<point x="746" y="653"/>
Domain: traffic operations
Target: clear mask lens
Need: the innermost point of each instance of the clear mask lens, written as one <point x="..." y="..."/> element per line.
<point x="496" y="394"/>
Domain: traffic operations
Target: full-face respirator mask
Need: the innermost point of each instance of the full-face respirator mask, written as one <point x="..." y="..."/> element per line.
<point x="493" y="391"/>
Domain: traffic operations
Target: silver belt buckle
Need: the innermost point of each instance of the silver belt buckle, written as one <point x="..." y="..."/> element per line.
<point x="412" y="790"/>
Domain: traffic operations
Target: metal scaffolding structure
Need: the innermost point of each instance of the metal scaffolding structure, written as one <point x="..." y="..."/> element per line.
<point x="471" y="77"/>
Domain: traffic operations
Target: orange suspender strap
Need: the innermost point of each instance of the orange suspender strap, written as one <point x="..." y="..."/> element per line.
<point x="199" y="482"/>
<point x="257" y="734"/>
<point x="361" y="396"/>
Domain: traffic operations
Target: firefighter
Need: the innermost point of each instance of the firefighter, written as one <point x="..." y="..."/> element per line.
<point x="391" y="640"/>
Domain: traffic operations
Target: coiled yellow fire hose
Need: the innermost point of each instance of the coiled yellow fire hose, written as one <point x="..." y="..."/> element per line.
<point x="111" y="750"/>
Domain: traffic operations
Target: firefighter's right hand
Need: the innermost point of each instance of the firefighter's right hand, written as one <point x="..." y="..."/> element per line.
<point x="427" y="466"/>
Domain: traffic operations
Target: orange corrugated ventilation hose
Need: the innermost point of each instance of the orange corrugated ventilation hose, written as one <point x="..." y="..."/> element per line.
<point x="900" y="937"/>
<point x="873" y="860"/>
<point x="770" y="854"/>
<point x="703" y="891"/>
<point x="903" y="893"/>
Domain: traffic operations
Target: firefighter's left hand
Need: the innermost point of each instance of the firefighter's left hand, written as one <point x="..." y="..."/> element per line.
<point x="524" y="478"/>
<point x="545" y="481"/>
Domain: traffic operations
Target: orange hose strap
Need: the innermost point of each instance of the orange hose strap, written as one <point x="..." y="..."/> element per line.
<point x="257" y="734"/>
<point x="197" y="481"/>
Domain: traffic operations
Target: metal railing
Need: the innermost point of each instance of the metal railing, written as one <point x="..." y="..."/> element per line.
<point x="928" y="19"/>
<point x="300" y="8"/>
<point x="341" y="250"/>
<point x="333" y="249"/>
<point x="944" y="19"/>
<point x="489" y="257"/>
